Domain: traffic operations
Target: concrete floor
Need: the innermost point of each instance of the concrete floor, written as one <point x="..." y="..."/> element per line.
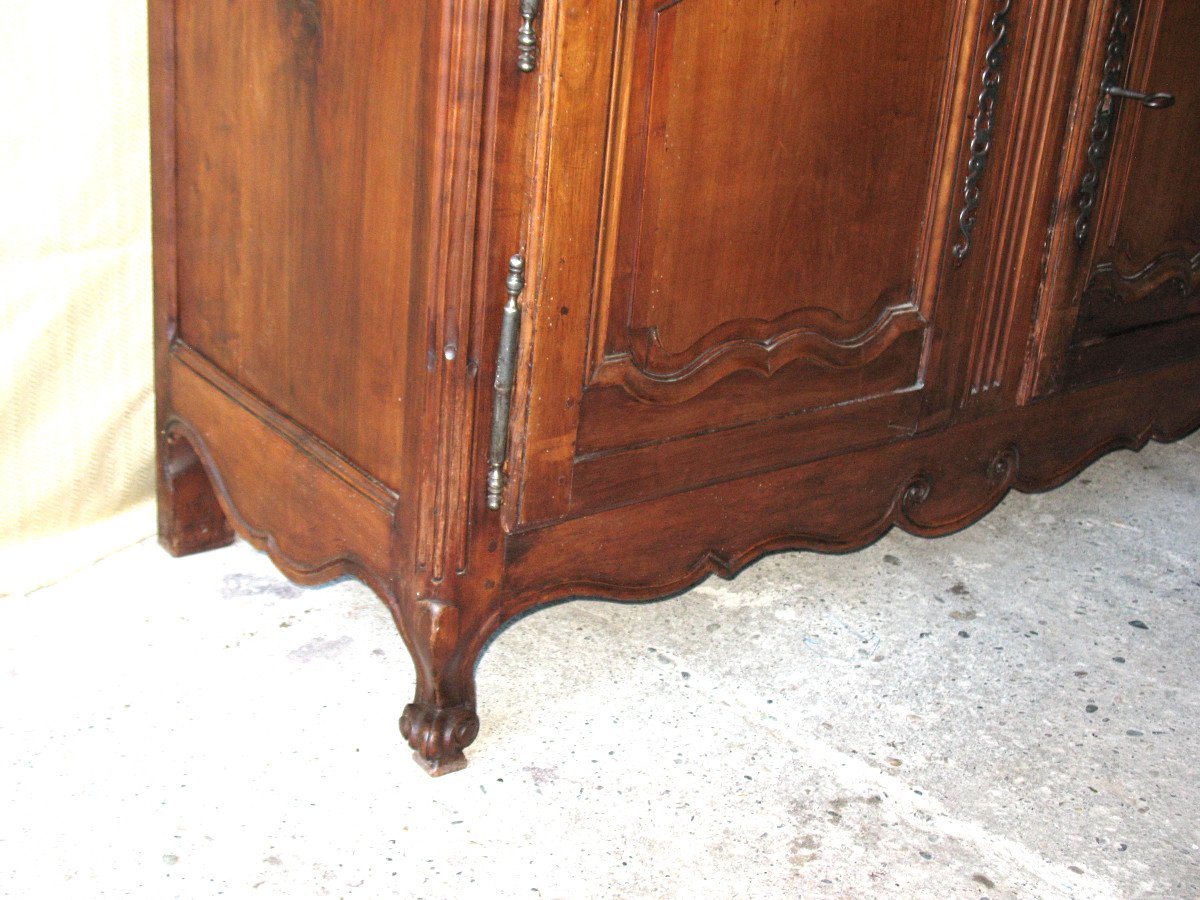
<point x="1009" y="712"/>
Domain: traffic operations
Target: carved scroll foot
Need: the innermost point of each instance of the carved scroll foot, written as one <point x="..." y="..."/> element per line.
<point x="190" y="519"/>
<point x="441" y="720"/>
<point x="439" y="735"/>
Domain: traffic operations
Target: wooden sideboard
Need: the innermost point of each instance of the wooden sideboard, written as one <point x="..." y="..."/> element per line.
<point x="494" y="302"/>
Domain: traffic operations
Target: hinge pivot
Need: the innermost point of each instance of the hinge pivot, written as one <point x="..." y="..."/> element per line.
<point x="527" y="39"/>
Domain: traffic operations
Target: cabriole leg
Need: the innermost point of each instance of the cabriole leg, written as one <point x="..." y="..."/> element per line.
<point x="441" y="720"/>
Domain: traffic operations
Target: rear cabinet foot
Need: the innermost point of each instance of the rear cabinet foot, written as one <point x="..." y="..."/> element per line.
<point x="190" y="519"/>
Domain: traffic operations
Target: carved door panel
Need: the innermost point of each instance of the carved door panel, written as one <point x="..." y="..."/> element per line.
<point x="1124" y="293"/>
<point x="747" y="205"/>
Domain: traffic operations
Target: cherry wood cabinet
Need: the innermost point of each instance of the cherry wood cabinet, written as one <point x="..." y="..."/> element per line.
<point x="494" y="302"/>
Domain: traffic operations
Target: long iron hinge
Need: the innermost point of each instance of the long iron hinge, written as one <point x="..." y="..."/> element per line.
<point x="506" y="371"/>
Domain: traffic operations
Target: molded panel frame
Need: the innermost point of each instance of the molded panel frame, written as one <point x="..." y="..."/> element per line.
<point x="583" y="106"/>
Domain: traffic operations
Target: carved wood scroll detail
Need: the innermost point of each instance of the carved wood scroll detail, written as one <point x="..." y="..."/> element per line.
<point x="665" y="367"/>
<point x="441" y="721"/>
<point x="817" y="335"/>
<point x="1175" y="268"/>
<point x="439" y="735"/>
<point x="910" y="508"/>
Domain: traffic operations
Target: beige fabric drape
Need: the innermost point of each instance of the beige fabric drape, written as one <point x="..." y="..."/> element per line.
<point x="76" y="406"/>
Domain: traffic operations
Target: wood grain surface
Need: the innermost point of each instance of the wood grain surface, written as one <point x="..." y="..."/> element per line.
<point x="744" y="328"/>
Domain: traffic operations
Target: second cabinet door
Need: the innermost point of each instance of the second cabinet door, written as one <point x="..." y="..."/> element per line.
<point x="747" y="205"/>
<point x="1124" y="288"/>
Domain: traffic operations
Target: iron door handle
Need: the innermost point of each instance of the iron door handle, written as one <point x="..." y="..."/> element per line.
<point x="1150" y="101"/>
<point x="1104" y="124"/>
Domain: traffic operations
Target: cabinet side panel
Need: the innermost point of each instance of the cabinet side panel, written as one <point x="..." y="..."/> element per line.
<point x="299" y="185"/>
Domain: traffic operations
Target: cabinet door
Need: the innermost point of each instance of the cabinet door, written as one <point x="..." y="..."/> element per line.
<point x="747" y="204"/>
<point x="1124" y="287"/>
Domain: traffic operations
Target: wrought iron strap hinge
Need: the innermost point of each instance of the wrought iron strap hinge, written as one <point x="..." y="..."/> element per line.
<point x="527" y="38"/>
<point x="506" y="372"/>
<point x="984" y="126"/>
<point x="1105" y="119"/>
